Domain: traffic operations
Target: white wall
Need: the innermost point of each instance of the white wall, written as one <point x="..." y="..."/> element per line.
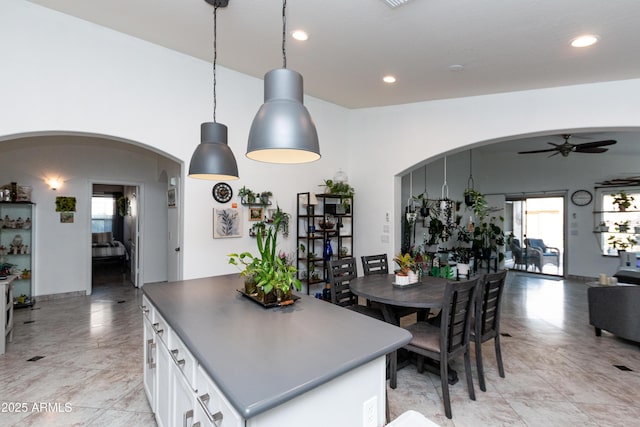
<point x="63" y="251"/>
<point x="399" y="137"/>
<point x="61" y="74"/>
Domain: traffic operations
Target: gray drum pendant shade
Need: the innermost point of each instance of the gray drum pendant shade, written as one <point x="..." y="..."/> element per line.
<point x="213" y="159"/>
<point x="282" y="130"/>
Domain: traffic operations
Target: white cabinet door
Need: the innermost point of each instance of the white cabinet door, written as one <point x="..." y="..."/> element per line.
<point x="164" y="381"/>
<point x="217" y="409"/>
<point x="183" y="400"/>
<point x="150" y="357"/>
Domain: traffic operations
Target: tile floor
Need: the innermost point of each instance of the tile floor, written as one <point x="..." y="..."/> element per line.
<point x="557" y="372"/>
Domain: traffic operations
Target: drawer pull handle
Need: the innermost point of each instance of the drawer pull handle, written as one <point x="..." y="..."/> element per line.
<point x="174" y="356"/>
<point x="144" y="309"/>
<point x="156" y="329"/>
<point x="216" y="418"/>
<point x="188" y="414"/>
<point x="150" y="346"/>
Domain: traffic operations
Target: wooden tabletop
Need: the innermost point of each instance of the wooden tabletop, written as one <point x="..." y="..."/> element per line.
<point x="379" y="288"/>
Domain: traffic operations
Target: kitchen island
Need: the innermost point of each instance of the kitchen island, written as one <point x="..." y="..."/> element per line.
<point x="216" y="357"/>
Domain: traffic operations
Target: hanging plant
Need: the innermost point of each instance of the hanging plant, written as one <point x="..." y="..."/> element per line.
<point x="123" y="205"/>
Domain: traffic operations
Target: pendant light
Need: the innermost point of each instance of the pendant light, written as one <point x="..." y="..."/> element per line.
<point x="282" y="130"/>
<point x="468" y="194"/>
<point x="213" y="159"/>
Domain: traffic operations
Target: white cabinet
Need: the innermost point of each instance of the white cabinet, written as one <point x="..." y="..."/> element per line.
<point x="150" y="353"/>
<point x="215" y="408"/>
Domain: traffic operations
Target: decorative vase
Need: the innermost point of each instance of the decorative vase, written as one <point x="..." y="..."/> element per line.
<point x="402" y="279"/>
<point x="413" y="277"/>
<point x="463" y="269"/>
<point x="328" y="250"/>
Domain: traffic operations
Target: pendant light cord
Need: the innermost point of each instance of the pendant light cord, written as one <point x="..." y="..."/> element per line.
<point x="284" y="33"/>
<point x="215" y="56"/>
<point x="470" y="183"/>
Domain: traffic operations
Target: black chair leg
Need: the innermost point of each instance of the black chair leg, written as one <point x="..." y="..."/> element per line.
<point x="445" y="388"/>
<point x="479" y="365"/>
<point x="393" y="369"/>
<point x="499" y="356"/>
<point x="467" y="369"/>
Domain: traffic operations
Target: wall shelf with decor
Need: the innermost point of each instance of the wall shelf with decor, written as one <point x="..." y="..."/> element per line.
<point x="616" y="223"/>
<point x="321" y="220"/>
<point x="16" y="248"/>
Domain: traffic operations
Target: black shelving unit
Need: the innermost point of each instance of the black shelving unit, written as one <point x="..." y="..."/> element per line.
<point x="311" y="264"/>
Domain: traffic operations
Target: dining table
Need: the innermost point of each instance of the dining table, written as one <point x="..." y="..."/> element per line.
<point x="425" y="295"/>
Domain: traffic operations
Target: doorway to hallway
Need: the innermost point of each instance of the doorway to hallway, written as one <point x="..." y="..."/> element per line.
<point x="537" y="224"/>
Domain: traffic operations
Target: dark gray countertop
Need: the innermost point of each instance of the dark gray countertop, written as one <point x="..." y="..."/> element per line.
<point x="260" y="358"/>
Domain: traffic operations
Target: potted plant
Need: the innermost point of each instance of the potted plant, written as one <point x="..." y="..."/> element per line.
<point x="264" y="197"/>
<point x="621" y="243"/>
<point x="472" y="196"/>
<point x="602" y="227"/>
<point x="247" y="196"/>
<point x="462" y="257"/>
<point x="622" y="226"/>
<point x="425" y="207"/>
<point x="340" y="188"/>
<point x="406" y="275"/>
<point x="623" y="201"/>
<point x="274" y="276"/>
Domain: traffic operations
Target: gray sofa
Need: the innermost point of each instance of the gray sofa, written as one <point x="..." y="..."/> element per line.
<point x="615" y="309"/>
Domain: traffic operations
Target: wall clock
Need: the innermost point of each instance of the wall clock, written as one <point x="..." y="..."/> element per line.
<point x="222" y="192"/>
<point x="581" y="197"/>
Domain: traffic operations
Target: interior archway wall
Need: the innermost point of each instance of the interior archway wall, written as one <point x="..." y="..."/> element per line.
<point x="400" y="138"/>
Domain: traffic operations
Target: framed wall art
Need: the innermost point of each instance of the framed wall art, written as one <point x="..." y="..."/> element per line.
<point x="256" y="214"/>
<point x="227" y="223"/>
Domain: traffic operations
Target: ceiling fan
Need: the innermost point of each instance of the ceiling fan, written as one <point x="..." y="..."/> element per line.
<point x="566" y="148"/>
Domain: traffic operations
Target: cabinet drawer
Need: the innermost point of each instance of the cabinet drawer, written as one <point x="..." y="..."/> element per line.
<point x="160" y="327"/>
<point x="183" y="359"/>
<point x="216" y="407"/>
<point x="147" y="309"/>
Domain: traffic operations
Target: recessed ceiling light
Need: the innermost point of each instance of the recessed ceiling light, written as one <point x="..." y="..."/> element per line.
<point x="300" y="35"/>
<point x="584" y="41"/>
<point x="389" y="79"/>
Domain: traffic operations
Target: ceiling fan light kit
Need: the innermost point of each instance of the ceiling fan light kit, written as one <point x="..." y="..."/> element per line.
<point x="567" y="148"/>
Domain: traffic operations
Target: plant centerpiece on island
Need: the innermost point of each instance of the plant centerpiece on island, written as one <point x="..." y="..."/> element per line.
<point x="273" y="274"/>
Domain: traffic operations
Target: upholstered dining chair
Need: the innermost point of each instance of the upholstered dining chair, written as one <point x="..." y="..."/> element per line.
<point x="486" y="323"/>
<point x="450" y="339"/>
<point x="341" y="272"/>
<point x="375" y="264"/>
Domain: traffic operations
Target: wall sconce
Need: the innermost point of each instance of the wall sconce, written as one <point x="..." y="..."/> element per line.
<point x="54" y="183"/>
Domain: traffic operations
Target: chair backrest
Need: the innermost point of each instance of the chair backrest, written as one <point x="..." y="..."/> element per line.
<point x="536" y="243"/>
<point x="375" y="264"/>
<point x="341" y="272"/>
<point x="457" y="309"/>
<point x="487" y="307"/>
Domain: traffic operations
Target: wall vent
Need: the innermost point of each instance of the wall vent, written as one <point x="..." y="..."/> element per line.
<point x="395" y="3"/>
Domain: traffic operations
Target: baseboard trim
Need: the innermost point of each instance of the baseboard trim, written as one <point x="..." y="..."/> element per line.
<point x="50" y="297"/>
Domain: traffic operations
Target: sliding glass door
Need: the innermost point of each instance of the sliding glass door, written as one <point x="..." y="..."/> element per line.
<point x="536" y="223"/>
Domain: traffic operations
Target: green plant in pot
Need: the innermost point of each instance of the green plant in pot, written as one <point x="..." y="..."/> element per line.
<point x="487" y="234"/>
<point x="247" y="195"/>
<point x="273" y="275"/>
<point x="339" y="188"/>
<point x="623" y="201"/>
<point x="621" y="243"/>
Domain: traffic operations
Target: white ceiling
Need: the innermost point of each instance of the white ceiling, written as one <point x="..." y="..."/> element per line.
<point x="503" y="45"/>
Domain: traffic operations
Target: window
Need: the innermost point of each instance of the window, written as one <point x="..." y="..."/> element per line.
<point x="103" y="210"/>
<point x="620" y="229"/>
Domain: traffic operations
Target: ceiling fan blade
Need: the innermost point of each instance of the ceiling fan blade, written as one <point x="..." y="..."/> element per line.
<point x="591" y="150"/>
<point x="537" y="151"/>
<point x="594" y="144"/>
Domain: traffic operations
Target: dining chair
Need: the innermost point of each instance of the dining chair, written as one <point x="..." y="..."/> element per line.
<point x="450" y="339"/>
<point x="487" y="319"/>
<point x="375" y="264"/>
<point x="341" y="272"/>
